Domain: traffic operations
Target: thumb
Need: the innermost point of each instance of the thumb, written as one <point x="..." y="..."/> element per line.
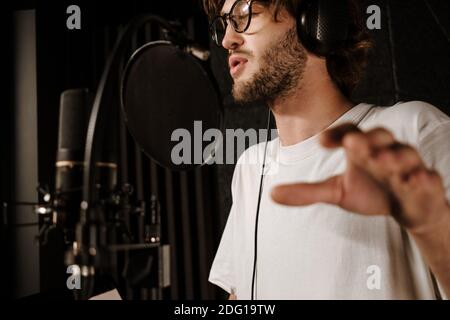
<point x="300" y="194"/>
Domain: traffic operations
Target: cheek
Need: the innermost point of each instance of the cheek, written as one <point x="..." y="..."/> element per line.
<point x="258" y="61"/>
<point x="256" y="58"/>
<point x="253" y="65"/>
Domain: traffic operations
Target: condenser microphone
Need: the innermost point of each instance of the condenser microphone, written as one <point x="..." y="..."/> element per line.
<point x="87" y="238"/>
<point x="75" y="108"/>
<point x="74" y="112"/>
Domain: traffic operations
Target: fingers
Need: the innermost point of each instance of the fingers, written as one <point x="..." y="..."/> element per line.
<point x="376" y="150"/>
<point x="421" y="183"/>
<point x="379" y="168"/>
<point x="399" y="159"/>
<point x="333" y="138"/>
<point x="359" y="146"/>
<point x="422" y="198"/>
<point x="400" y="169"/>
<point x="328" y="191"/>
<point x="375" y="138"/>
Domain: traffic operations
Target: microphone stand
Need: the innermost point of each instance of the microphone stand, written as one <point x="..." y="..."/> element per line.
<point x="90" y="240"/>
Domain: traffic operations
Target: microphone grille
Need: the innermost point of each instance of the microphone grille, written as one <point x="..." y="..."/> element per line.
<point x="74" y="112"/>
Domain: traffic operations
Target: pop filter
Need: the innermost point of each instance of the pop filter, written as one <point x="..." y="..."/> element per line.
<point x="167" y="99"/>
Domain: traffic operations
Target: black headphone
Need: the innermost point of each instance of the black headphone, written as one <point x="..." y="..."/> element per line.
<point x="323" y="25"/>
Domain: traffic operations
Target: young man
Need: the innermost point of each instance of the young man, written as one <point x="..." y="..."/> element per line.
<point x="369" y="220"/>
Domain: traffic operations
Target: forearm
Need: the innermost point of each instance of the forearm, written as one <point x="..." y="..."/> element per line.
<point x="434" y="244"/>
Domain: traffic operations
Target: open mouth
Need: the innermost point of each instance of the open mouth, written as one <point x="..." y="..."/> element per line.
<point x="236" y="65"/>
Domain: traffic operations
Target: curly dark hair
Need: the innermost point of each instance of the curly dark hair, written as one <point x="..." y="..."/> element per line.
<point x="345" y="65"/>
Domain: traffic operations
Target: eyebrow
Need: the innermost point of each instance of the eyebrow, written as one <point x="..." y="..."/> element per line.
<point x="221" y="13"/>
<point x="255" y="2"/>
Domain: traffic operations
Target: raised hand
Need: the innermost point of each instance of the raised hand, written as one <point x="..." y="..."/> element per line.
<point x="382" y="177"/>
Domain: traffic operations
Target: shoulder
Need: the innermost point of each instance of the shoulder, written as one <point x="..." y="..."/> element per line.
<point x="252" y="155"/>
<point x="410" y="121"/>
<point x="412" y="111"/>
<point x="250" y="162"/>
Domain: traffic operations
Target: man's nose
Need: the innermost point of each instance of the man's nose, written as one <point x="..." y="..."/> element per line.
<point x="232" y="39"/>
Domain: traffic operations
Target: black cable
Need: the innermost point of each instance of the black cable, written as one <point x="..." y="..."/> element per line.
<point x="436" y="19"/>
<point x="257" y="208"/>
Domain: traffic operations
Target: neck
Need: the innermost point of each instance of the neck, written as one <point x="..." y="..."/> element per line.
<point x="312" y="107"/>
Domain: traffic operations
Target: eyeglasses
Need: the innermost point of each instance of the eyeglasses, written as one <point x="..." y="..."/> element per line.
<point x="239" y="16"/>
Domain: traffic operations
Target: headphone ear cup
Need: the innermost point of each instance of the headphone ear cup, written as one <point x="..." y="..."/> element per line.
<point x="323" y="25"/>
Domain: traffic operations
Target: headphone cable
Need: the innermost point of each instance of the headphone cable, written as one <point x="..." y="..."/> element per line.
<point x="257" y="209"/>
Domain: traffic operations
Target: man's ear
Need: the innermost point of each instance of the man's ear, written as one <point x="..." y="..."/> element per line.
<point x="282" y="15"/>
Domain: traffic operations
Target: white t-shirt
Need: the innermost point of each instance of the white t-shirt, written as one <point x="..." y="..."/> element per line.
<point x="321" y="251"/>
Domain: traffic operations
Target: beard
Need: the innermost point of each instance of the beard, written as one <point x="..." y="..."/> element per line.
<point x="282" y="68"/>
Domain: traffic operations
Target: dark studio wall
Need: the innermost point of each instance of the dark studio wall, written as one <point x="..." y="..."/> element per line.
<point x="68" y="59"/>
<point x="76" y="59"/>
<point x="5" y="163"/>
<point x="410" y="61"/>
